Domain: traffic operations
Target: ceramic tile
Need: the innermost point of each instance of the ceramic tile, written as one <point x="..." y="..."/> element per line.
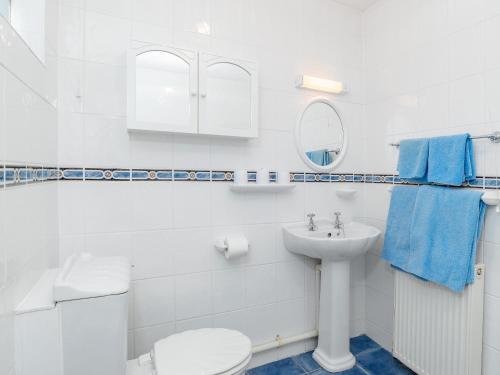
<point x="152" y="255"/>
<point x="117" y="8"/>
<point x="361" y="344"/>
<point x="71" y="29"/>
<point x="306" y="362"/>
<point x="283" y="367"/>
<point x="260" y="284"/>
<point x="106" y="38"/>
<point x="153" y="301"/>
<point x="381" y="362"/>
<point x="290" y="280"/>
<point x="228" y="290"/>
<point x="105" y="89"/>
<point x="151" y="205"/>
<point x="193" y="295"/>
<point x="353" y="371"/>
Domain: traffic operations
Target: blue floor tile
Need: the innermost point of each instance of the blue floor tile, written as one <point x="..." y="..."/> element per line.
<point x="371" y="359"/>
<point x="306" y="361"/>
<point x="362" y="343"/>
<point x="284" y="367"/>
<point x="381" y="362"/>
<point x="354" y="371"/>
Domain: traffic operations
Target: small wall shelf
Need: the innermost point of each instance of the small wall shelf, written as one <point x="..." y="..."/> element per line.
<point x="261" y="188"/>
<point x="491" y="198"/>
<point x="346" y="193"/>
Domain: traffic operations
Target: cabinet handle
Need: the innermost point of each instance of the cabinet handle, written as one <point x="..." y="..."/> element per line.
<point x="194" y="93"/>
<point x="203" y="94"/>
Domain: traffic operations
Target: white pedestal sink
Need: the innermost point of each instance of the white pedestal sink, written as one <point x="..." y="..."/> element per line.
<point x="335" y="253"/>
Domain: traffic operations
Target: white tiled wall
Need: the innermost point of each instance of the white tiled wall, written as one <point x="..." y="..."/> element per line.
<point x="28" y="135"/>
<point x="168" y="229"/>
<point x="432" y="68"/>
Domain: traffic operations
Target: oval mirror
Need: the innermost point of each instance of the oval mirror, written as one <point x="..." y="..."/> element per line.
<point x="320" y="136"/>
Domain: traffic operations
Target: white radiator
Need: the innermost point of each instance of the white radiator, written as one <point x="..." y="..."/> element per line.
<point x="436" y="331"/>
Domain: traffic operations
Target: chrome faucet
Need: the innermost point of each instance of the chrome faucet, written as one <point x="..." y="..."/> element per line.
<point x="338" y="225"/>
<point x="312" y="226"/>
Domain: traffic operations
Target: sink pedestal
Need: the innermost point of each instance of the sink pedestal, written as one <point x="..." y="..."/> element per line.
<point x="333" y="352"/>
<point x="336" y="253"/>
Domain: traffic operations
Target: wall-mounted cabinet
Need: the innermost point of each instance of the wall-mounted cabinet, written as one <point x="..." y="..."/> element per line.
<point x="181" y="91"/>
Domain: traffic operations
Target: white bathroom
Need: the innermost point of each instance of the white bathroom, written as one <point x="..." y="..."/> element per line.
<point x="260" y="187"/>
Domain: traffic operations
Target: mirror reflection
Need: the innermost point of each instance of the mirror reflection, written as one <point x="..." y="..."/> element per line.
<point x="321" y="135"/>
<point x="162" y="89"/>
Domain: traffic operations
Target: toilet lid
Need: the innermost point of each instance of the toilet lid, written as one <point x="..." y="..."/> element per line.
<point x="205" y="351"/>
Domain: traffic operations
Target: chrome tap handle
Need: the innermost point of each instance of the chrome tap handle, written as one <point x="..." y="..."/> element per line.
<point x="338" y="223"/>
<point x="312" y="226"/>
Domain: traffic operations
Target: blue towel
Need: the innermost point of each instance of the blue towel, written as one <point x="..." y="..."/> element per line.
<point x="413" y="157"/>
<point x="451" y="160"/>
<point x="446" y="227"/>
<point x="320" y="157"/>
<point x="433" y="233"/>
<point x="397" y="233"/>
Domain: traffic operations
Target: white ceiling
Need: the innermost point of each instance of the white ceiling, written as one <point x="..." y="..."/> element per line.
<point x="359" y="4"/>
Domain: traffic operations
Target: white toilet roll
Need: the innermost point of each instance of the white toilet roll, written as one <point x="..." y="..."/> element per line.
<point x="236" y="246"/>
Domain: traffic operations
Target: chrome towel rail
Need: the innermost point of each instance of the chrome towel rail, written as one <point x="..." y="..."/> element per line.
<point x="493" y="137"/>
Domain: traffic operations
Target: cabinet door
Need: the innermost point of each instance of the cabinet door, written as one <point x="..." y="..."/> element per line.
<point x="228" y="97"/>
<point x="163" y="90"/>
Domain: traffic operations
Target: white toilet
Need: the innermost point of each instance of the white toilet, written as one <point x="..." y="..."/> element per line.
<point x="74" y="322"/>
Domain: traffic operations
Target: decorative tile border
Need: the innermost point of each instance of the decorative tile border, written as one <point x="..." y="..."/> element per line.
<point x="15" y="175"/>
<point x="19" y="175"/>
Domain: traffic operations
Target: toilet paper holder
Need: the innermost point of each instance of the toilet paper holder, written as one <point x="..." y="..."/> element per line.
<point x="221" y="244"/>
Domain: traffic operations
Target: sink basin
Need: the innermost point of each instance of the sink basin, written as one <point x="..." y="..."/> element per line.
<point x="327" y="243"/>
<point x="336" y="248"/>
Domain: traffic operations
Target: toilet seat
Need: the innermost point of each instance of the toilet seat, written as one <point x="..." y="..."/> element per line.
<point x="207" y="351"/>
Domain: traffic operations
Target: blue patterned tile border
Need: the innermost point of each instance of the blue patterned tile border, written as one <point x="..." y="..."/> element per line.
<point x="163" y="175"/>
<point x="311" y="177"/>
<point x="26" y="175"/>
<point x="477" y="182"/>
<point x="221" y="176"/>
<point x="491" y="183"/>
<point x="11" y="176"/>
<point x="358" y="178"/>
<point x="324" y="177"/>
<point x="15" y="175"/>
<point x="138" y="175"/>
<point x="93" y="174"/>
<point x="297" y="177"/>
<point x="19" y="175"/>
<point x="71" y="174"/>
